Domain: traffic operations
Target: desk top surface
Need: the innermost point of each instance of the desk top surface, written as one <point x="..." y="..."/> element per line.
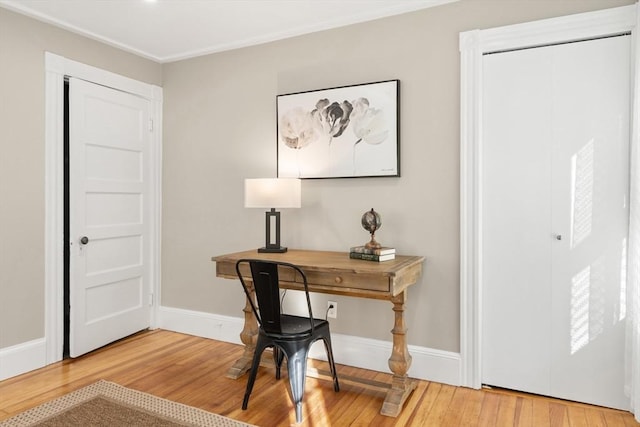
<point x="335" y="272"/>
<point x="310" y="260"/>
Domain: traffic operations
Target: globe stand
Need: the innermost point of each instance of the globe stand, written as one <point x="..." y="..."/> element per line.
<point x="372" y="244"/>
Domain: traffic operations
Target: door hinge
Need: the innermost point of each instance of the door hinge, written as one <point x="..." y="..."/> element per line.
<point x="150" y="125"/>
<point x="151" y="299"/>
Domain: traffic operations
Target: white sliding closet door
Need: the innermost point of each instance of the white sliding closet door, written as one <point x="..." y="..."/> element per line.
<point x="554" y="209"/>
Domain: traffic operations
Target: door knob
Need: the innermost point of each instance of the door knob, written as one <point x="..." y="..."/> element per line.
<point x="558" y="236"/>
<point x="84" y="240"/>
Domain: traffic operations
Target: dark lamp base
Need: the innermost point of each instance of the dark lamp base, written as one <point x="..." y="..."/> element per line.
<point x="274" y="250"/>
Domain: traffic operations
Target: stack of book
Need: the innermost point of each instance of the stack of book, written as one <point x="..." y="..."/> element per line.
<point x="380" y="254"/>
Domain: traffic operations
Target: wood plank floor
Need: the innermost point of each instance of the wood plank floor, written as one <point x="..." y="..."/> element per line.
<point x="191" y="370"/>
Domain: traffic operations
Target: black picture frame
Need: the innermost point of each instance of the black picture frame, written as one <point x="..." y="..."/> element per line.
<point x="341" y="132"/>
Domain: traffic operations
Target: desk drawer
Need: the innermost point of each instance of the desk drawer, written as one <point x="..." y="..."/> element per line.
<point x="341" y="280"/>
<point x="229" y="269"/>
<point x="369" y="282"/>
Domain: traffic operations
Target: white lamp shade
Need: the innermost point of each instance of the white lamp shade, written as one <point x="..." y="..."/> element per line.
<point x="272" y="193"/>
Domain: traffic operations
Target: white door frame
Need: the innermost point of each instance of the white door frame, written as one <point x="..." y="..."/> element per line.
<point x="473" y="44"/>
<point x="57" y="68"/>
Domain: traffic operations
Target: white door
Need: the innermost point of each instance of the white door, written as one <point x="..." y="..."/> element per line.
<point x="555" y="219"/>
<point x="109" y="186"/>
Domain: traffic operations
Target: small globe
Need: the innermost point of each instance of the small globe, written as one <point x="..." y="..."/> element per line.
<point x="371" y="221"/>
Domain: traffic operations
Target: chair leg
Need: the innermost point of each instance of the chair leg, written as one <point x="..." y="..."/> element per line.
<point x="297" y="367"/>
<point x="332" y="365"/>
<point x="278" y="357"/>
<point x="252" y="374"/>
<point x="298" y="412"/>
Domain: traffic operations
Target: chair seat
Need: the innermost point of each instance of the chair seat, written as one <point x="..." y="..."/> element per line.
<point x="296" y="327"/>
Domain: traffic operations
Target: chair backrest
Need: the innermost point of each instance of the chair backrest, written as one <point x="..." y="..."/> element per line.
<point x="266" y="284"/>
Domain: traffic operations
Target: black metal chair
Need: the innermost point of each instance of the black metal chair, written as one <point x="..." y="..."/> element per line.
<point x="288" y="335"/>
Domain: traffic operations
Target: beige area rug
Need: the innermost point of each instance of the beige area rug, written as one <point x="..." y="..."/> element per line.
<point x="109" y="404"/>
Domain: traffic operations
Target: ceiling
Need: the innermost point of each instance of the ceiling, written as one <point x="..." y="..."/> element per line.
<point x="171" y="30"/>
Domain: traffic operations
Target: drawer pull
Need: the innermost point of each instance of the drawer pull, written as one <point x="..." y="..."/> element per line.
<point x="338" y="279"/>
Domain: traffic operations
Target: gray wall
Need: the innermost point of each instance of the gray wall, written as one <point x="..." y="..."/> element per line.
<point x="23" y="42"/>
<point x="219" y="128"/>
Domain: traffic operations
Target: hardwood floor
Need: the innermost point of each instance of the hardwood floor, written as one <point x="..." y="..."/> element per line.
<point x="191" y="370"/>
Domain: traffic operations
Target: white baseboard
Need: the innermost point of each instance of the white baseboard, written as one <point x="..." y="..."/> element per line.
<point x="214" y="326"/>
<point x="427" y="364"/>
<point x="21" y="358"/>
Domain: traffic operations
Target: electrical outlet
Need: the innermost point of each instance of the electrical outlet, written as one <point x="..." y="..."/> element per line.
<point x="332" y="309"/>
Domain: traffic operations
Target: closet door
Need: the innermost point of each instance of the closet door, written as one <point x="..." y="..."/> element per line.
<point x="516" y="216"/>
<point x="554" y="219"/>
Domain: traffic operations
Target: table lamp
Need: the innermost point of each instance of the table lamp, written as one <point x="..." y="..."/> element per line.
<point x="272" y="193"/>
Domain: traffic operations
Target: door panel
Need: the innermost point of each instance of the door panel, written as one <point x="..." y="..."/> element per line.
<point x="590" y="189"/>
<point x="109" y="175"/>
<point x="516" y="222"/>
<point x="554" y="206"/>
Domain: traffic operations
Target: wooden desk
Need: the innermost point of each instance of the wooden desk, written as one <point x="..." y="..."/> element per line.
<point x="335" y="273"/>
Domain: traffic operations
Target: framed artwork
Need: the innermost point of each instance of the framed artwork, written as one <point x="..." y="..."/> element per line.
<point x="342" y="132"/>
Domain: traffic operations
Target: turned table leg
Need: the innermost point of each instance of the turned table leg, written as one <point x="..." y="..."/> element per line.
<point x="399" y="362"/>
<point x="248" y="336"/>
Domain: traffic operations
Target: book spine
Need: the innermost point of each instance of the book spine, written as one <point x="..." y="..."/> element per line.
<point x="363" y="250"/>
<point x="367" y="257"/>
